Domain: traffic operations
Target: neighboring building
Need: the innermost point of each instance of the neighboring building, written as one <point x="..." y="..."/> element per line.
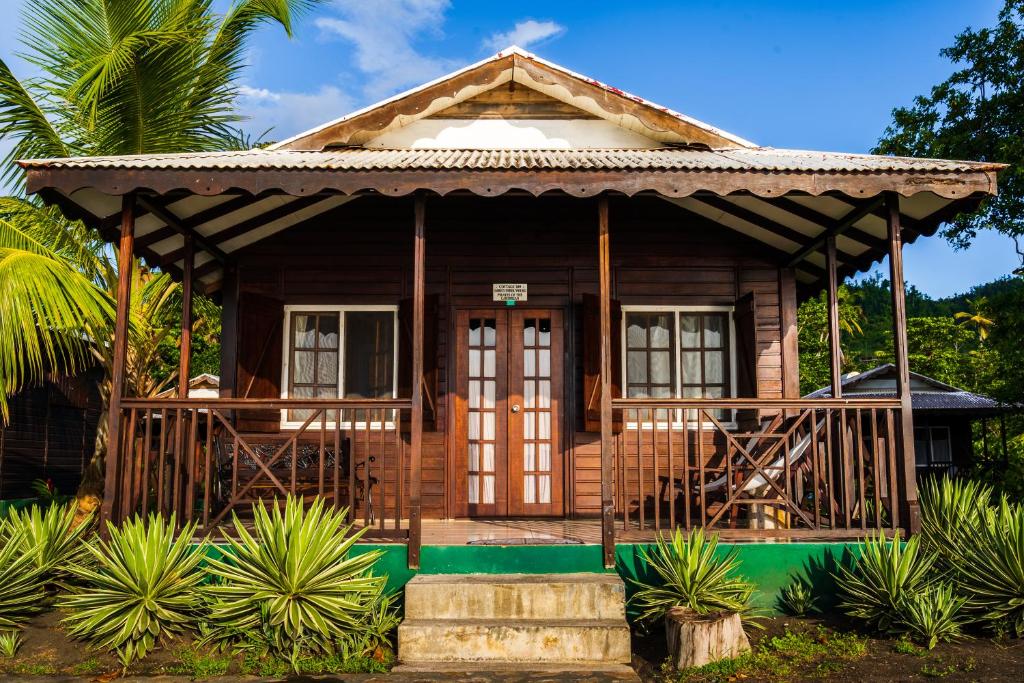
<point x="516" y="293"/>
<point x="203" y="385"/>
<point x="51" y="435"/>
<point x="943" y="415"/>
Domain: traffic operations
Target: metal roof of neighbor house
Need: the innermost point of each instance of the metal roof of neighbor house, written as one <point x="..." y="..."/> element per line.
<point x="788" y="200"/>
<point x="938" y="397"/>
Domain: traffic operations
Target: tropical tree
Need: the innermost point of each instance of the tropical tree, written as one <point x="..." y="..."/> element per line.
<point x="115" y="77"/>
<point x="978" y="316"/>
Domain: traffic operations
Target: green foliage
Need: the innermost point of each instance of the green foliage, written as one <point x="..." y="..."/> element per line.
<point x="933" y="615"/>
<point x="798" y="599"/>
<point x="142" y="587"/>
<point x="45" y="491"/>
<point x="197" y="664"/>
<point x="10" y="643"/>
<point x="690" y="575"/>
<point x="21" y="581"/>
<point x="50" y="537"/>
<point x="977" y="113"/>
<point x="952" y="511"/>
<point x="292" y="589"/>
<point x="885" y="576"/>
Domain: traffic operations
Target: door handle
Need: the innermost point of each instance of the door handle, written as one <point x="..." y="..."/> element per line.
<point x="515" y="408"/>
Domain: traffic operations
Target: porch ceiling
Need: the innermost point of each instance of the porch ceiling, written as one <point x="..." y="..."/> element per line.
<point x="786" y="199"/>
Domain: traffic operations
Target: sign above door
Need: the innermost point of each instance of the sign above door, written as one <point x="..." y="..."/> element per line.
<point x="509" y="292"/>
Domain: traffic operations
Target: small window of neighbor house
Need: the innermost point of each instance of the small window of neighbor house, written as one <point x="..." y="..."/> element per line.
<point x="933" y="447"/>
<point x="338" y="352"/>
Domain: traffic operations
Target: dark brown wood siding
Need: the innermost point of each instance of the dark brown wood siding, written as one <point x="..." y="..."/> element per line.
<point x="361" y="253"/>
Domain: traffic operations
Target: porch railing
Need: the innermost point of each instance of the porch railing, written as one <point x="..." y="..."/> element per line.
<point x="187" y="457"/>
<point x="763" y="467"/>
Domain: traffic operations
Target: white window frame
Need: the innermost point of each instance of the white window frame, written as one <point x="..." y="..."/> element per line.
<point x="678" y="424"/>
<point x="341" y="310"/>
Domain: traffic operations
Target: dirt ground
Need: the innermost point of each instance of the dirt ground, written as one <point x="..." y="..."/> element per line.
<point x="791" y="649"/>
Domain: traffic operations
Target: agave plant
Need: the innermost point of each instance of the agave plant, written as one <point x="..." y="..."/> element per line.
<point x="991" y="573"/>
<point x="10" y="643"/>
<point x="798" y="599"/>
<point x="952" y="510"/>
<point x="932" y="615"/>
<point x="52" y="537"/>
<point x="142" y="585"/>
<point x="21" y="581"/>
<point x="885" y="576"/>
<point x="691" y="576"/>
<point x="292" y="588"/>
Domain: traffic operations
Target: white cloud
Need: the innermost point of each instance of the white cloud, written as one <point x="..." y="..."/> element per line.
<point x="288" y="113"/>
<point x="384" y="33"/>
<point x="524" y="33"/>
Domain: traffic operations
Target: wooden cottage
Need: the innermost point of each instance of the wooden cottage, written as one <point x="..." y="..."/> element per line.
<point x="516" y="293"/>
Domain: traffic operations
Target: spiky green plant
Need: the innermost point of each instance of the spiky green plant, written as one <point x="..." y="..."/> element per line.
<point x="21" y="581"/>
<point x="141" y="585"/>
<point x="10" y="643"/>
<point x="50" y="536"/>
<point x="932" y="615"/>
<point x="951" y="512"/>
<point x="292" y="588"/>
<point x="690" y="575"/>
<point x="798" y="599"/>
<point x="885" y="575"/>
<point x="991" y="573"/>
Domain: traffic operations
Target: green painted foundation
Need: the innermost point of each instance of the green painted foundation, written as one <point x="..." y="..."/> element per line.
<point x="768" y="565"/>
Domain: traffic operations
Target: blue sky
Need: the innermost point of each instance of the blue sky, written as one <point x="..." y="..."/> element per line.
<point x="811" y="75"/>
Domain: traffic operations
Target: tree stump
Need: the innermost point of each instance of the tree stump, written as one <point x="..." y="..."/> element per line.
<point x="699" y="639"/>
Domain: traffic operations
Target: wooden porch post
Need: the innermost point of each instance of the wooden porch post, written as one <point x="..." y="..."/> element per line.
<point x="185" y="356"/>
<point x="835" y="352"/>
<point x="419" y="280"/>
<point x="607" y="440"/>
<point x="124" y="293"/>
<point x="910" y="512"/>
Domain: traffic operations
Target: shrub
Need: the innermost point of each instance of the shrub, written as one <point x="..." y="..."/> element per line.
<point x="143" y="586"/>
<point x="10" y="643"/>
<point x="691" y="576"/>
<point x="798" y="599"/>
<point x="885" y="575"/>
<point x="952" y="510"/>
<point x="51" y="537"/>
<point x="292" y="589"/>
<point x="21" y="582"/>
<point x="932" y="615"/>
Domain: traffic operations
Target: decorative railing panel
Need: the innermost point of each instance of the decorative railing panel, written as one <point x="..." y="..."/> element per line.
<point x="185" y="457"/>
<point x="761" y="466"/>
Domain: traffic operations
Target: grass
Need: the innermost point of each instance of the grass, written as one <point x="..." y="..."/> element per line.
<point x="817" y="653"/>
<point x="198" y="664"/>
<point x="91" y="666"/>
<point x="942" y="668"/>
<point x="333" y="664"/>
<point x="904" y="646"/>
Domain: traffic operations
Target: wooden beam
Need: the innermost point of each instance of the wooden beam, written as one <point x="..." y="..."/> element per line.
<point x="185" y="355"/>
<point x="174" y="222"/>
<point x="763" y="222"/>
<point x="195" y="220"/>
<point x="125" y="262"/>
<point x="419" y="287"/>
<point x="835" y="352"/>
<point x="823" y="220"/>
<point x="907" y="469"/>
<point x="841" y="226"/>
<point x="607" y="440"/>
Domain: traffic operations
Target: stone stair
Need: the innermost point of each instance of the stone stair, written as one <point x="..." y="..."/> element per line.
<point x="536" y="622"/>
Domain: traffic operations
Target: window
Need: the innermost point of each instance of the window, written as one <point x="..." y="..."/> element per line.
<point x="338" y="352"/>
<point x="933" y="448"/>
<point x="680" y="353"/>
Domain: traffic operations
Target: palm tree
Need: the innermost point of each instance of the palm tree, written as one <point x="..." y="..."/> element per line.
<point x="116" y="77"/>
<point x="977" y="316"/>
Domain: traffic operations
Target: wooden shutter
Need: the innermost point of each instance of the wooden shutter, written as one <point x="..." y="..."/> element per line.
<point x="592" y="361"/>
<point x="431" y="308"/>
<point x="745" y="321"/>
<point x="260" y="320"/>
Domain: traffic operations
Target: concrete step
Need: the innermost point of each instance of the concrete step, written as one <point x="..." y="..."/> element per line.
<point x="557" y="672"/>
<point x="515" y="596"/>
<point x="504" y="641"/>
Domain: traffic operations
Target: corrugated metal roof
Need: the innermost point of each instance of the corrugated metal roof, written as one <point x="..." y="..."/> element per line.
<point x="758" y="160"/>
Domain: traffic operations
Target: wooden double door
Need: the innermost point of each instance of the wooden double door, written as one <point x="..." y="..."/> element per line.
<point x="508" y="413"/>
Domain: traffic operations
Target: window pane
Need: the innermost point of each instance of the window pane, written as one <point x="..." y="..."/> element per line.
<point x="490" y="332"/>
<point x="713" y="367"/>
<point x="713" y="331"/>
<point x="660" y="331"/>
<point x="369" y="354"/>
<point x="941" y="451"/>
<point x="545" y="332"/>
<point x="474" y="332"/>
<point x="691" y="367"/>
<point x="327" y="369"/>
<point x="305" y="331"/>
<point x="636" y="367"/>
<point x="302" y="368"/>
<point x="328" y="331"/>
<point x="636" y="332"/>
<point x="661" y="367"/>
<point x="529" y="333"/>
<point x="689" y="331"/>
